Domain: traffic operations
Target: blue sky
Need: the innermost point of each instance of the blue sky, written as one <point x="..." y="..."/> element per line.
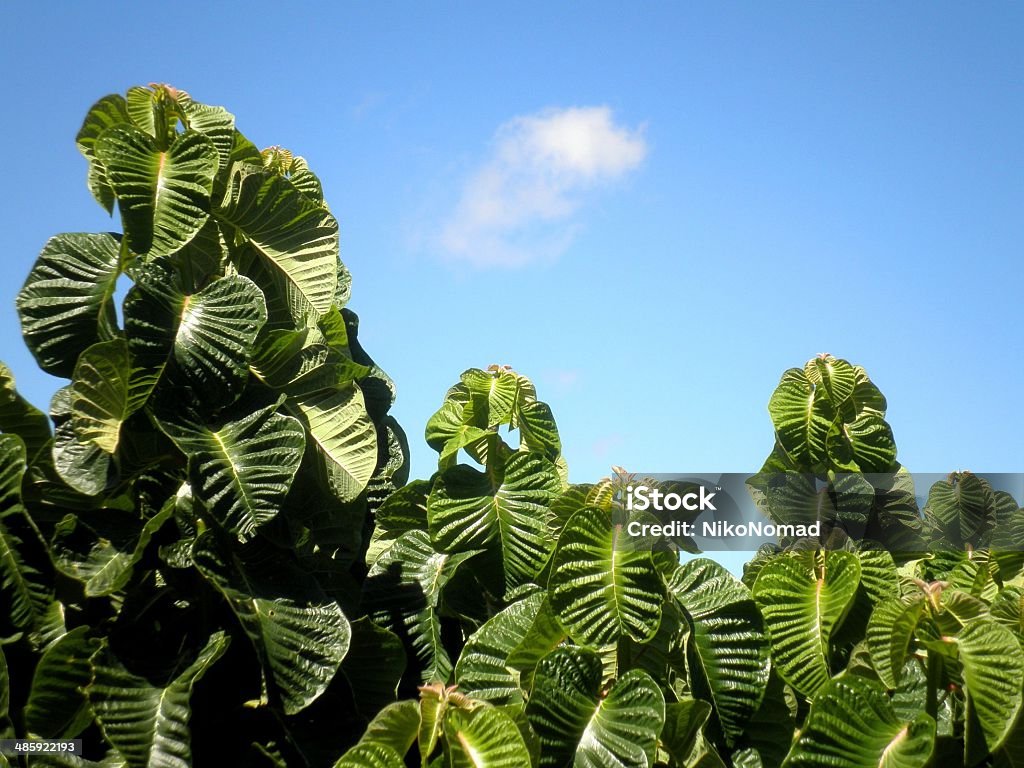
<point x="651" y="209"/>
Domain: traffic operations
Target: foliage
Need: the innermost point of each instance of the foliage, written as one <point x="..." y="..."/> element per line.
<point x="183" y="536"/>
<point x="210" y="553"/>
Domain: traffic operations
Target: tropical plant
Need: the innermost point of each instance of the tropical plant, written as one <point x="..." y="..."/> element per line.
<point x="210" y="553"/>
<point x="182" y="538"/>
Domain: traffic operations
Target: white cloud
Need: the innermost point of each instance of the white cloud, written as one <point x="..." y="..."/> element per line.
<point x="519" y="206"/>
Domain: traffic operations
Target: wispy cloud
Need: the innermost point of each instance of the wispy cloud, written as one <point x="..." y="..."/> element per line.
<point x="520" y="205"/>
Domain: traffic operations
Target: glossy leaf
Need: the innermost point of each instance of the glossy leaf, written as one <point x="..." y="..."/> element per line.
<point x="403" y="592"/>
<point x="145" y="721"/>
<point x="241" y="470"/>
<point x="603" y="588"/>
<point x="300" y="634"/>
<point x="852" y="725"/>
<point x="99" y="394"/>
<point x="727" y="642"/>
<point x="66" y="303"/>
<point x="484" y="738"/>
<point x="502" y="511"/>
<point x="338" y="422"/>
<point x="57" y="706"/>
<point x="802" y="604"/>
<point x="163" y="194"/>
<point x="292" y="233"/>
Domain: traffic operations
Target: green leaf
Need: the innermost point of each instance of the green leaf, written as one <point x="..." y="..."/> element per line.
<point x="485" y="669"/>
<point x="852" y="725"/>
<point x="802" y="420"/>
<point x="602" y="588"/>
<point x="961" y="506"/>
<point x="370" y="755"/>
<point x="684" y="720"/>
<point x="21" y="418"/>
<point x="291" y="232"/>
<point x="993" y="668"/>
<point x="164" y="195"/>
<point x="300" y="634"/>
<point x="99" y="394"/>
<point x="402" y="592"/>
<point x="57" y="706"/>
<point x="26" y="596"/>
<point x="396" y="726"/>
<point x="404" y="510"/>
<point x="82" y="466"/>
<point x="241" y="470"/>
<point x="503" y="511"/>
<point x="492" y="395"/>
<point x="66" y="303"/>
<point x="101" y="547"/>
<point x="889" y="634"/>
<point x="538" y="430"/>
<point x="1008" y="610"/>
<point x="802" y="602"/>
<point x="625" y="725"/>
<point x="572" y="718"/>
<point x="373" y="666"/>
<point x="145" y="721"/>
<point x="344" y="434"/>
<point x="216" y="123"/>
<point x="484" y="738"/>
<point x="209" y="335"/>
<point x="109" y="111"/>
<point x="727" y="640"/>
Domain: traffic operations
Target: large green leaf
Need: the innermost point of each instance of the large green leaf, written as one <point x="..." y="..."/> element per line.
<point x="492" y="395"/>
<point x="293" y="233"/>
<point x="889" y="634"/>
<point x="602" y="587"/>
<point x="21" y="418"/>
<point x="486" y="668"/>
<point x="370" y="755"/>
<point x="404" y="510"/>
<point x="216" y="123"/>
<point x="684" y="720"/>
<point x="484" y="738"/>
<point x="396" y="726"/>
<point x="147" y="722"/>
<point x="66" y="303"/>
<point x="300" y="634"/>
<point x="344" y="434"/>
<point x="1008" y="610"/>
<point x="25" y="595"/>
<point x="101" y="547"/>
<point x="57" y="706"/>
<point x="961" y="505"/>
<point x="241" y="470"/>
<point x="164" y="195"/>
<point x="802" y="419"/>
<point x="373" y="666"/>
<point x="802" y="602"/>
<point x="503" y="510"/>
<point x="99" y="394"/>
<point x="209" y="334"/>
<point x="403" y="591"/>
<point x="852" y="725"/>
<point x="573" y="718"/>
<point x="727" y="640"/>
<point x="109" y="111"/>
<point x="993" y="667"/>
